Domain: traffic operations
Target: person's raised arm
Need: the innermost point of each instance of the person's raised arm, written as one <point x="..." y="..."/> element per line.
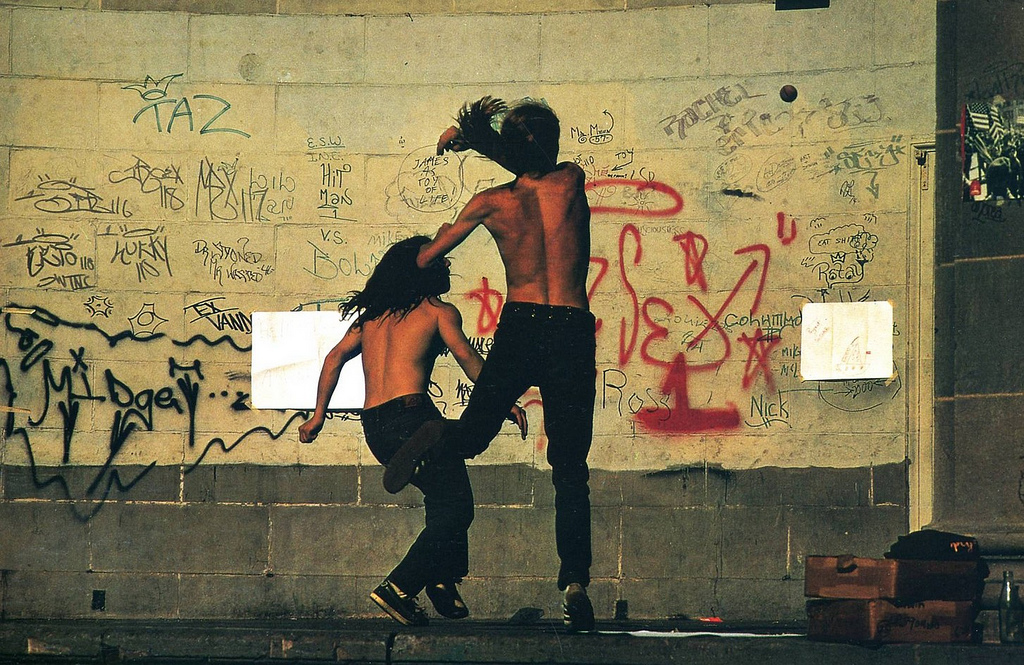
<point x="449" y="324"/>
<point x="475" y="132"/>
<point x="343" y="351"/>
<point x="451" y="235"/>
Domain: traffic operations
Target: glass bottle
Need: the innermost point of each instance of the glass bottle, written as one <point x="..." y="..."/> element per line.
<point x="1011" y="612"/>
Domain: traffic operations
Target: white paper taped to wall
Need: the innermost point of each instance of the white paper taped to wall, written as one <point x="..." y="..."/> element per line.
<point x="846" y="340"/>
<point x="288" y="350"/>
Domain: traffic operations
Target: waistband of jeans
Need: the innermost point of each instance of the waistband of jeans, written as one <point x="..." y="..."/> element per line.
<point x="397" y="404"/>
<point x="532" y="310"/>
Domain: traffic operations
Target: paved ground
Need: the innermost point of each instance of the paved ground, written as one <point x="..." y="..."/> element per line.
<point x="384" y="642"/>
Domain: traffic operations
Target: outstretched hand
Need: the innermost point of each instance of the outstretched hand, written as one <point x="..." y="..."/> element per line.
<point x="309" y="430"/>
<point x="451" y="139"/>
<point x="518" y="416"/>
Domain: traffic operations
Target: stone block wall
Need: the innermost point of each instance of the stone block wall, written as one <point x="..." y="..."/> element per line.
<point x="166" y="173"/>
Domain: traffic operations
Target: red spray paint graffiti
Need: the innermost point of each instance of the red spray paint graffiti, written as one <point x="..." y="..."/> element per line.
<point x="683" y="418"/>
<point x="491" y="302"/>
<point x="784" y="236"/>
<point x="626" y="351"/>
<point x="695" y="248"/>
<point x="760" y="346"/>
<point x="713" y="320"/>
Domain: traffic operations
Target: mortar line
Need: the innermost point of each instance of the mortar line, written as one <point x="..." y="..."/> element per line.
<point x="986" y="259"/>
<point x="10" y="44"/>
<point x="540" y="44"/>
<point x="188" y="47"/>
<point x="871" y="485"/>
<point x="953" y="398"/>
<point x="269" y="570"/>
<point x="789" y="551"/>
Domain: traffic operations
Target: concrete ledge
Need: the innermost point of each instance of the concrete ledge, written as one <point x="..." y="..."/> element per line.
<point x="646" y="647"/>
<point x="376" y="641"/>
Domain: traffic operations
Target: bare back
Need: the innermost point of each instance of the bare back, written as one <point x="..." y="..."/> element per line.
<point x="541" y="225"/>
<point x="399" y="353"/>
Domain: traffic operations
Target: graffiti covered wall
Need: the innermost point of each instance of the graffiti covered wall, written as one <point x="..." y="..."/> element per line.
<point x="158" y="190"/>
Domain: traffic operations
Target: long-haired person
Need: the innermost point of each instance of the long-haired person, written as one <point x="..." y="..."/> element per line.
<point x="401" y="327"/>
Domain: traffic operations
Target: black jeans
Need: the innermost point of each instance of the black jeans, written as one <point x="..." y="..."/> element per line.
<point x="440" y="552"/>
<point x="553" y="348"/>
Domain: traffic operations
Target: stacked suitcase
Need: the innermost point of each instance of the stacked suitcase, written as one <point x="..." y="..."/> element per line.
<point x="855" y="599"/>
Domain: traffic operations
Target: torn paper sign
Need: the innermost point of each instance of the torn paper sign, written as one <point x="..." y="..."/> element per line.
<point x="288" y="350"/>
<point x="846" y="340"/>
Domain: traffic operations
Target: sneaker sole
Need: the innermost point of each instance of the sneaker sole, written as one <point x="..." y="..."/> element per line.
<point x="392" y="612"/>
<point x="403" y="463"/>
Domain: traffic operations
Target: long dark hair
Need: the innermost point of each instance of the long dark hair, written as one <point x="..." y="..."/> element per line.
<point x="527" y="141"/>
<point x="397" y="285"/>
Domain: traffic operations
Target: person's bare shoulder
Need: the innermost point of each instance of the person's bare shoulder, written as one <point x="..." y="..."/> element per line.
<point x="571" y="170"/>
<point x="442" y="309"/>
<point x="447" y="317"/>
<point x="496" y="191"/>
<point x="488" y="200"/>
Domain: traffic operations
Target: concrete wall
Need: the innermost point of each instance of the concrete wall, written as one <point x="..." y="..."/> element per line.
<point x="167" y="173"/>
<point x="979" y="380"/>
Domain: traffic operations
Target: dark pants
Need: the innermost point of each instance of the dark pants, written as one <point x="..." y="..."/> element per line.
<point x="441" y="551"/>
<point x="552" y="348"/>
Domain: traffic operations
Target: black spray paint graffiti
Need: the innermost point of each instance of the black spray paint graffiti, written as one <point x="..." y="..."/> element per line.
<point x="98" y="305"/>
<point x="53" y="260"/>
<point x="221" y="196"/>
<point x="235" y="263"/>
<point x="1001" y="78"/>
<point x="325" y="149"/>
<point x="331" y="256"/>
<point x="737" y="129"/>
<point x="864" y="158"/>
<point x="838" y="257"/>
<point x="594" y="135"/>
<point x="426" y="182"/>
<point x="146" y="321"/>
<point x="65" y="196"/>
<point x="861" y="394"/>
<point x="63" y="387"/>
<point x="211" y="107"/>
<point x="53" y="321"/>
<point x="221" y="318"/>
<point x="141" y="248"/>
<point x="164" y="181"/>
<point x="858" y="160"/>
<point x="704" y="109"/>
<point x="621" y="166"/>
<point x="334" y="194"/>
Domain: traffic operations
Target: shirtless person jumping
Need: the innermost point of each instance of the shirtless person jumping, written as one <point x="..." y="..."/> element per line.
<point x="540" y="222"/>
<point x="400" y="329"/>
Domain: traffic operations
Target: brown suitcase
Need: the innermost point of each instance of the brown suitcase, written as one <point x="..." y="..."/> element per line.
<point x="902" y="579"/>
<point x="882" y="621"/>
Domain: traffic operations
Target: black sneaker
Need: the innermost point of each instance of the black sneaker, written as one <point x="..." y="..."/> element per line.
<point x="404" y="462"/>
<point x="398" y="605"/>
<point x="447" y="601"/>
<point x="577" y="611"/>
